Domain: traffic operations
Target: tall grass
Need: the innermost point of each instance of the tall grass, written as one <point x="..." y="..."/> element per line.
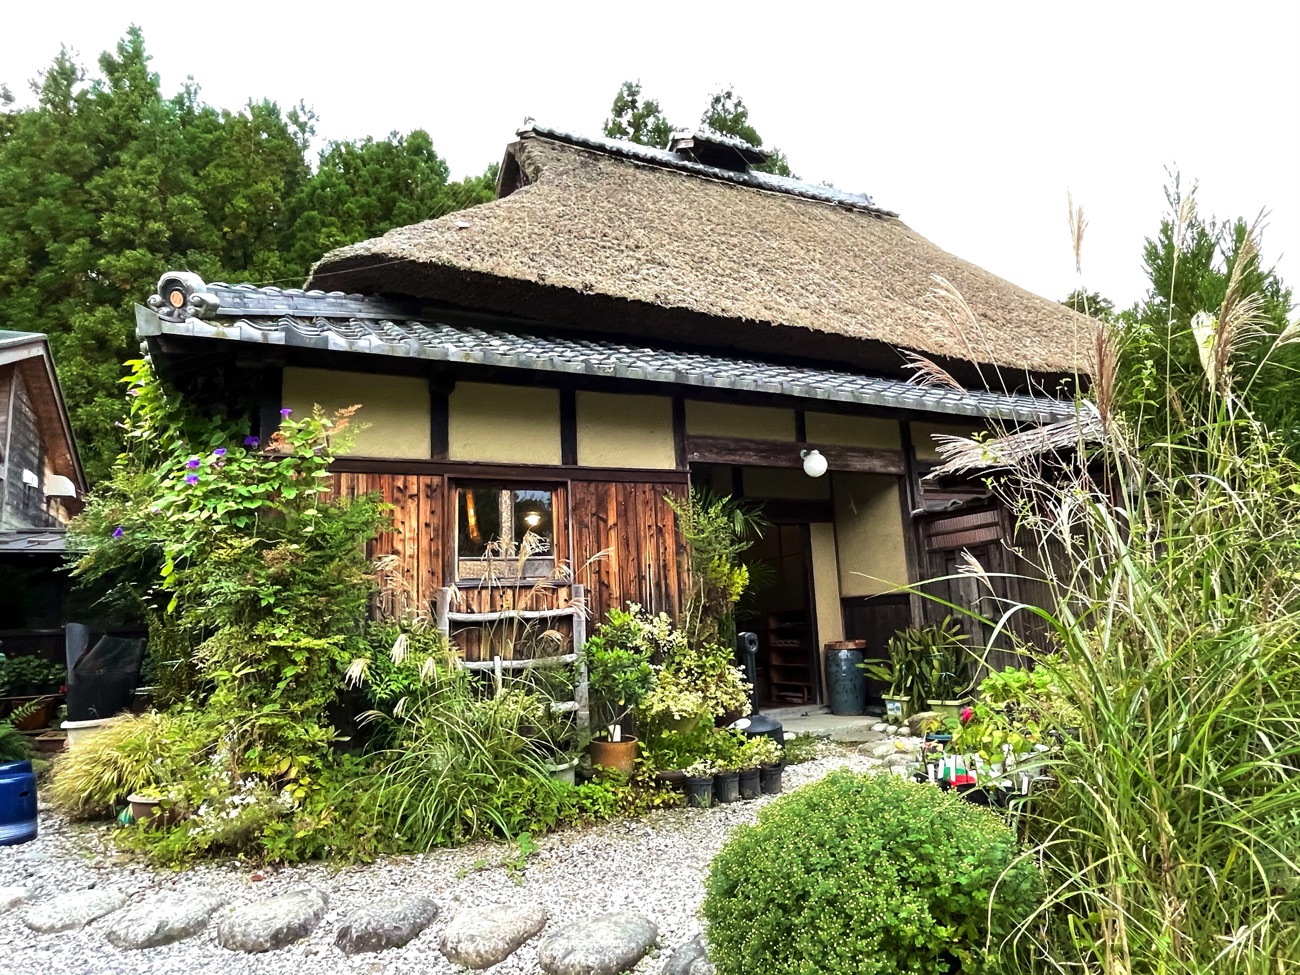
<point x="1171" y="842"/>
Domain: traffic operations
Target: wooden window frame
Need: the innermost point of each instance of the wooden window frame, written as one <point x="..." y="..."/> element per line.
<point x="559" y="531"/>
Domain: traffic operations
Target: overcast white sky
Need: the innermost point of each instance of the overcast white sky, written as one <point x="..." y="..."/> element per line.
<point x="970" y="119"/>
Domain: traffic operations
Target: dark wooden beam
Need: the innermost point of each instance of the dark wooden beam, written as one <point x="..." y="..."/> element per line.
<point x="568" y="427"/>
<point x="439" y="390"/>
<point x="504" y="472"/>
<point x="785" y="511"/>
<point x="778" y="453"/>
<point x="679" y="431"/>
<point x="270" y="393"/>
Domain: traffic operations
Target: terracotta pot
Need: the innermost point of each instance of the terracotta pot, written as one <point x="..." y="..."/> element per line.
<point x="620" y="755"/>
<point x="148" y="809"/>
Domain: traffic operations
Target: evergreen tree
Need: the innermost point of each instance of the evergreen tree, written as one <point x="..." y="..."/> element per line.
<point x="1189" y="265"/>
<point x="106" y="183"/>
<point x="636" y="119"/>
<point x="727" y="114"/>
<point x="1090" y="303"/>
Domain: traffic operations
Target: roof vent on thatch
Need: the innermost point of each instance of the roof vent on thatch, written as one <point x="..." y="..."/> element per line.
<point x="719" y="151"/>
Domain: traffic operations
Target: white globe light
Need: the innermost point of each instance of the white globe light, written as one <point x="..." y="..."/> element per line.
<point x="814" y="464"/>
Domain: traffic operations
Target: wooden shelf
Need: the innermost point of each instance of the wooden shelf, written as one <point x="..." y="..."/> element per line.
<point x="791" y="670"/>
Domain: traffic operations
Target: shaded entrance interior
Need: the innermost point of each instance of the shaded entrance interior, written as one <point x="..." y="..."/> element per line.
<point x="779" y="610"/>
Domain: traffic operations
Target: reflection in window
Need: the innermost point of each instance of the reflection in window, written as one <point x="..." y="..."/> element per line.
<point x="504" y="533"/>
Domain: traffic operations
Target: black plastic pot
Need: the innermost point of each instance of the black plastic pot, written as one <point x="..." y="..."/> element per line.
<point x="750" y="787"/>
<point x="699" y="792"/>
<point x="726" y="786"/>
<point x="770" y="779"/>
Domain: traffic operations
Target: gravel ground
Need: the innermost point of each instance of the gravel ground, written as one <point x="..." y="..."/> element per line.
<point x="654" y="865"/>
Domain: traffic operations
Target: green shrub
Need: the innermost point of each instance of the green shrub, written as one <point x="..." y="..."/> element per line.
<point x="131" y="753"/>
<point x="802" y="748"/>
<point x="865" y="875"/>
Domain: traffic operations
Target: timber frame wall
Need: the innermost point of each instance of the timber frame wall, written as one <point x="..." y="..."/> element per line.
<point x="613" y="528"/>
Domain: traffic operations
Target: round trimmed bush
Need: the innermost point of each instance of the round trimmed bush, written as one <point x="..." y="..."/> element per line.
<point x="867" y="875"/>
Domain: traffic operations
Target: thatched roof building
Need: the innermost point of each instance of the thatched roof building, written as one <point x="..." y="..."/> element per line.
<point x="685" y="247"/>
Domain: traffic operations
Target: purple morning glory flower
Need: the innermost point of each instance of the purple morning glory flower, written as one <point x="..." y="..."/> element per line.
<point x="191" y="479"/>
<point x="251" y="442"/>
<point x="117" y="532"/>
<point x="286" y="411"/>
<point x="193" y="463"/>
<point x="219" y="452"/>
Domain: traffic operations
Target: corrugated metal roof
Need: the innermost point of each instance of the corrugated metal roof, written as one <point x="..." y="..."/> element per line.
<point x="33" y="540"/>
<point x="356" y="324"/>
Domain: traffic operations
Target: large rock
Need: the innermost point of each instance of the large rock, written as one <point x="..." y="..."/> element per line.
<point x="689" y="959"/>
<point x="164" y="919"/>
<point x="74" y="910"/>
<point x="483" y="936"/>
<point x="604" y="945"/>
<point x="11" y="897"/>
<point x="272" y="923"/>
<point x="388" y="922"/>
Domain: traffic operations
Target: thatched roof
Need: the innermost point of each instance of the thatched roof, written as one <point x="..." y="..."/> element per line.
<point x="606" y="236"/>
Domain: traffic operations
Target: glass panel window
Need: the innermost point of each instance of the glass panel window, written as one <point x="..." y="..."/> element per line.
<point x="504" y="532"/>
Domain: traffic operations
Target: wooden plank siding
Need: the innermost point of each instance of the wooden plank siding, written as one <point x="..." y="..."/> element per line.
<point x="619" y="539"/>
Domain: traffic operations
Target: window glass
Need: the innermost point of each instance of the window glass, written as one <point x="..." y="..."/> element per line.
<point x="504" y="532"/>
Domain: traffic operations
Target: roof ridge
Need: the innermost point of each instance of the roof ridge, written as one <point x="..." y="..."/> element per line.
<point x="754" y="180"/>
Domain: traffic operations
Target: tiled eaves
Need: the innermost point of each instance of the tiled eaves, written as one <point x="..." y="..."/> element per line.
<point x="569" y="355"/>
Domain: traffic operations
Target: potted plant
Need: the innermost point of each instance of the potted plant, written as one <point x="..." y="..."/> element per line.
<point x="753" y="754"/>
<point x="905" y="674"/>
<point x="620" y="676"/>
<point x="766" y="755"/>
<point x="699" y="784"/>
<point x="25" y="680"/>
<point x="727" y="758"/>
<point x="947" y="670"/>
<point x="671" y="705"/>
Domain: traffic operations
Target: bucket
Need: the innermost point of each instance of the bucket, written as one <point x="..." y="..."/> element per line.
<point x="17" y="803"/>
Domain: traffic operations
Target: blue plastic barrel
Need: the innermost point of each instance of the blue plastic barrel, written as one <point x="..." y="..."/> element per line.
<point x="17" y="803"/>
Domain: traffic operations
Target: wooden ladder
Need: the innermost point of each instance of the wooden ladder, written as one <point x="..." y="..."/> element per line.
<point x="578" y="706"/>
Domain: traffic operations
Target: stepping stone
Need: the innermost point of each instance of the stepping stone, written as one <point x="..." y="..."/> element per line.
<point x="689" y="959"/>
<point x="604" y="945"/>
<point x="73" y="911"/>
<point x="481" y="937"/>
<point x="164" y="919"/>
<point x="11" y="897"/>
<point x="389" y="922"/>
<point x="272" y="923"/>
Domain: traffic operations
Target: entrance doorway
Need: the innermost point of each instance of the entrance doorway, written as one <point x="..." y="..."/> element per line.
<point x="779" y="608"/>
<point x="793" y="601"/>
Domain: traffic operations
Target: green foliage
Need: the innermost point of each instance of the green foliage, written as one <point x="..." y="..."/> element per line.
<point x="1090" y="303"/>
<point x="257" y="589"/>
<point x="759" y="751"/>
<point x="1173" y="605"/>
<point x="14" y="745"/>
<point x="637" y="119"/>
<point x="1192" y="265"/>
<point x="1015" y="709"/>
<point x="618" y="663"/>
<point x="717" y="531"/>
<point x="20" y="676"/>
<point x="132" y="753"/>
<point x="866" y="875"/>
<point x="106" y="182"/>
<point x="926" y="663"/>
<point x="803" y="748"/>
<point x="727" y="114"/>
